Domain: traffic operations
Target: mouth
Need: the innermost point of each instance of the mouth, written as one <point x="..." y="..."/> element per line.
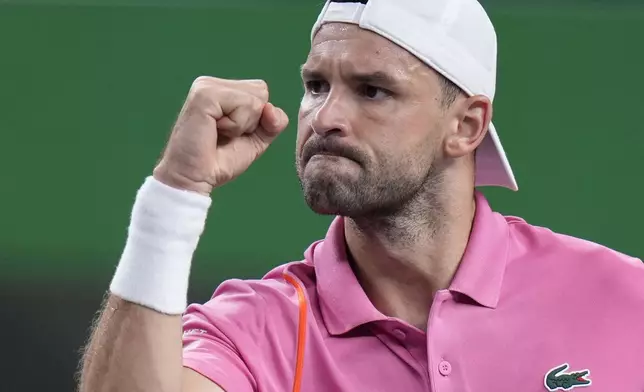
<point x="328" y="155"/>
<point x="582" y="379"/>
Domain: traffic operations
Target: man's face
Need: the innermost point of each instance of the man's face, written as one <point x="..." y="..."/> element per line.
<point x="370" y="125"/>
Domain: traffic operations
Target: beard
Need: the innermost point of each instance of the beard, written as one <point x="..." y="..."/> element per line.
<point x="363" y="189"/>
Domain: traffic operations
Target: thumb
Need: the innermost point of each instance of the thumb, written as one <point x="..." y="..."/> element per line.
<point x="273" y="120"/>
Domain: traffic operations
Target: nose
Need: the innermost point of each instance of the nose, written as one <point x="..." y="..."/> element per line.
<point x="331" y="116"/>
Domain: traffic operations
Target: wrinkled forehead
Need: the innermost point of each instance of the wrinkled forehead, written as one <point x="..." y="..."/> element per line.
<point x="351" y="46"/>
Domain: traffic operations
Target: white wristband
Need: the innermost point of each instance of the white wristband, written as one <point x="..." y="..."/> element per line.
<point x="164" y="230"/>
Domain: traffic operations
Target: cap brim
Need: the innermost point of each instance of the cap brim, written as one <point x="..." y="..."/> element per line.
<point x="492" y="166"/>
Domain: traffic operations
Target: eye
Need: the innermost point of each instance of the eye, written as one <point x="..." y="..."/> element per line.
<point x="316" y="87"/>
<point x="373" y="92"/>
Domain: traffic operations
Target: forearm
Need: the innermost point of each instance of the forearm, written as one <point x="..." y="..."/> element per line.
<point x="136" y="344"/>
<point x="133" y="349"/>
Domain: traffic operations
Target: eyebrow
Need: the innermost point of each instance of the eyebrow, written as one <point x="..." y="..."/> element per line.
<point x="378" y="78"/>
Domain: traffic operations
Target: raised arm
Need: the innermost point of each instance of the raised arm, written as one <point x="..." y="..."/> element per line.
<point x="136" y="344"/>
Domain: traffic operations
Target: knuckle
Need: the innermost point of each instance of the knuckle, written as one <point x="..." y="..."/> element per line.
<point x="261" y="87"/>
<point x="260" y="84"/>
<point x="257" y="105"/>
<point x="202" y="80"/>
<point x="202" y="89"/>
<point x="264" y="96"/>
<point x="198" y="90"/>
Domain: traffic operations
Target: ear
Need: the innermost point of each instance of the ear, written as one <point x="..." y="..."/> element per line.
<point x="472" y="119"/>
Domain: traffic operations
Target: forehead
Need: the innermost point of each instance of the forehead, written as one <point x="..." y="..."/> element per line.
<point x="351" y="46"/>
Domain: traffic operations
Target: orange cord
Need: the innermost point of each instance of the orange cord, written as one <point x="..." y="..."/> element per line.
<point x="301" y="332"/>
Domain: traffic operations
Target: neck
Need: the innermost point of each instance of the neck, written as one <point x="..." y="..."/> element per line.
<point x="402" y="260"/>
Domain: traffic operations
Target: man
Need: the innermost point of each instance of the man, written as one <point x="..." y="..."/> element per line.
<point x="418" y="285"/>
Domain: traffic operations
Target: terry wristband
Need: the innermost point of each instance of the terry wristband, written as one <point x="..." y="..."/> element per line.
<point x="165" y="227"/>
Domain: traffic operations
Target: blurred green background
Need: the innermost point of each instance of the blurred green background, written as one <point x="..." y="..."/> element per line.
<point x="89" y="91"/>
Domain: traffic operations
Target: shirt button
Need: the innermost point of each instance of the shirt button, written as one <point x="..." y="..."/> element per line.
<point x="445" y="368"/>
<point x="400" y="334"/>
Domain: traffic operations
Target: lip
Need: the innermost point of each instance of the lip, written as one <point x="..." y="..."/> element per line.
<point x="331" y="159"/>
<point x="327" y="156"/>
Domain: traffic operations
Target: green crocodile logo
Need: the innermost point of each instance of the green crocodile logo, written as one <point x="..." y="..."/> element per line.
<point x="566" y="381"/>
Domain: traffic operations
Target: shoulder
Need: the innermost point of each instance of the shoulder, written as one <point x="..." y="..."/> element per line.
<point x="249" y="306"/>
<point x="575" y="261"/>
<point x="249" y="326"/>
<point x="527" y="238"/>
<point x="577" y="291"/>
<point x="245" y="336"/>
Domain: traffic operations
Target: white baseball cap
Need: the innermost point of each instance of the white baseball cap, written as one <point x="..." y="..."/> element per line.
<point x="454" y="37"/>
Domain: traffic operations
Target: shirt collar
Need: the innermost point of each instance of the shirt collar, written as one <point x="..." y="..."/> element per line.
<point x="344" y="304"/>
<point x="480" y="273"/>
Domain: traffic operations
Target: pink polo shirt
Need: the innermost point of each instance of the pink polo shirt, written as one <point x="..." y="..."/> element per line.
<point x="526" y="310"/>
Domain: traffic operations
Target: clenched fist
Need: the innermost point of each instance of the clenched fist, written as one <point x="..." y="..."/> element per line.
<point x="223" y="127"/>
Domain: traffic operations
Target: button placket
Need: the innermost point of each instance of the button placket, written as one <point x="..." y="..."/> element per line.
<point x="438" y="347"/>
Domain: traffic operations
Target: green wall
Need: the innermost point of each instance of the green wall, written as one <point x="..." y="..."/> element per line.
<point x="88" y="95"/>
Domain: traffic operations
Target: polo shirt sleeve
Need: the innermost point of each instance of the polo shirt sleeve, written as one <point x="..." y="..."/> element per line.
<point x="214" y="332"/>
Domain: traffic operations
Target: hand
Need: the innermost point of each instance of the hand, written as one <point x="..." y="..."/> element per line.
<point x="223" y="127"/>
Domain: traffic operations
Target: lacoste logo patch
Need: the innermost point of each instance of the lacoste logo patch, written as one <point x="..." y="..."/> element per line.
<point x="556" y="380"/>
